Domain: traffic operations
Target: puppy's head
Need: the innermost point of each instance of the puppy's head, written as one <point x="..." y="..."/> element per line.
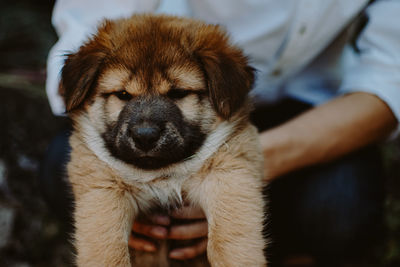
<point x="154" y="87"/>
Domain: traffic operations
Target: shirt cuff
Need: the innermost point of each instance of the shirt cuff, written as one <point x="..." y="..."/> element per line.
<point x="381" y="81"/>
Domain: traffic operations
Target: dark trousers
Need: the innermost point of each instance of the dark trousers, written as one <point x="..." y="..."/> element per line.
<point x="332" y="212"/>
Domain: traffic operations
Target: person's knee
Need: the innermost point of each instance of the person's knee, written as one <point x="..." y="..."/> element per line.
<point x="332" y="210"/>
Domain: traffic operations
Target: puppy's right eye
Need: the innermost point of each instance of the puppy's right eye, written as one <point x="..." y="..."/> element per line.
<point x="123" y="95"/>
<point x="178" y="93"/>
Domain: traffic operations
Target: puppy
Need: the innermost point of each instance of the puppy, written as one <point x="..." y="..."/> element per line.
<point x="160" y="113"/>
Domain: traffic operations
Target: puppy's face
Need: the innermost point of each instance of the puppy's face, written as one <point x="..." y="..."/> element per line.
<point x="154" y="87"/>
<point x="154" y="118"/>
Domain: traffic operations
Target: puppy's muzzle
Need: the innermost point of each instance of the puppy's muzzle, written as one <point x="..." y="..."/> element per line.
<point x="152" y="133"/>
<point x="147" y="120"/>
<point x="145" y="135"/>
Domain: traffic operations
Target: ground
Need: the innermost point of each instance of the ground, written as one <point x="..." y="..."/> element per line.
<point x="30" y="234"/>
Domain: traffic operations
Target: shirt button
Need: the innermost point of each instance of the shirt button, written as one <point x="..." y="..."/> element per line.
<point x="302" y="29"/>
<point x="276" y="72"/>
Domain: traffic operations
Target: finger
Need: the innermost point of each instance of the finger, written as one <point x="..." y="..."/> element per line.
<point x="150" y="230"/>
<point x="188" y="212"/>
<point x="160" y="219"/>
<point x="141" y="244"/>
<point x="156" y="219"/>
<point x="189" y="231"/>
<point x="189" y="252"/>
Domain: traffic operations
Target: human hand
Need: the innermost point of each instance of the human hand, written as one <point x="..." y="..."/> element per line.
<point x="162" y="227"/>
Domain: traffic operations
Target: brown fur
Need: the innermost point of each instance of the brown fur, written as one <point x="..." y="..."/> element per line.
<point x="150" y="56"/>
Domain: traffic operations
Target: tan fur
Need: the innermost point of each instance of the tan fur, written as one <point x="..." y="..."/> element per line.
<point x="224" y="177"/>
<point x="115" y="79"/>
<point x="187" y="76"/>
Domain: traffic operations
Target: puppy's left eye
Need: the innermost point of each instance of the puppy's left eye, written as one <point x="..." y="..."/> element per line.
<point x="123" y="95"/>
<point x="178" y="93"/>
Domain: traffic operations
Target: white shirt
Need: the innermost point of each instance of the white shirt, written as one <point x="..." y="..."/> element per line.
<point x="299" y="47"/>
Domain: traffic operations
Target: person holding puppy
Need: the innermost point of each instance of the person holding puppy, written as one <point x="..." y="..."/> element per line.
<point x="327" y="89"/>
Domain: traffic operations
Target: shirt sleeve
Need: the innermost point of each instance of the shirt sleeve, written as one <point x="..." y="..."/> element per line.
<point x="75" y="21"/>
<point x="376" y="68"/>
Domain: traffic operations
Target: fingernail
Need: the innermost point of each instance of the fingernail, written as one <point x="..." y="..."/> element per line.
<point x="159" y="232"/>
<point x="176" y="254"/>
<point x="163" y="220"/>
<point x="149" y="248"/>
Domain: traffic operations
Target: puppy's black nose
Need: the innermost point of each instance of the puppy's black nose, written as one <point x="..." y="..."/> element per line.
<point x="145" y="136"/>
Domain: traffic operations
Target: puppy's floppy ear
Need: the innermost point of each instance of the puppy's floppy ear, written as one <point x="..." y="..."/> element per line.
<point x="229" y="77"/>
<point x="81" y="70"/>
<point x="79" y="75"/>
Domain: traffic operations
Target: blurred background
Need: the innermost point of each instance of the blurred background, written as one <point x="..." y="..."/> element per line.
<point x="31" y="235"/>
